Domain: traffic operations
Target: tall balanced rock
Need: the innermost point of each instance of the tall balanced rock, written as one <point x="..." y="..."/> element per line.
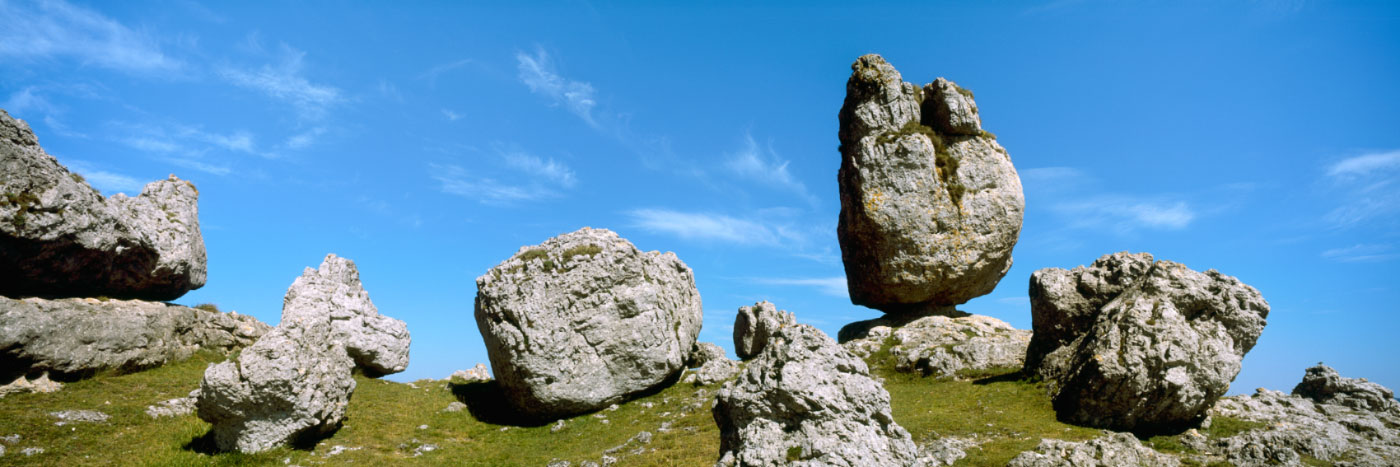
<point x="378" y="344"/>
<point x="1132" y="344"/>
<point x="296" y="380"/>
<point x="930" y="204"/>
<point x="584" y="320"/>
<point x="60" y="238"/>
<point x="805" y="400"/>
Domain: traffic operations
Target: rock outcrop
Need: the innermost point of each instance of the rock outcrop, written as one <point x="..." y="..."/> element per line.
<point x="931" y="205"/>
<point x="754" y="325"/>
<point x="939" y="345"/>
<point x="1323" y="384"/>
<point x="584" y="320"/>
<point x="703" y="353"/>
<point x="476" y="374"/>
<point x="1138" y="345"/>
<point x="378" y="344"/>
<point x="1114" y="450"/>
<point x="1288" y="427"/>
<point x="60" y="237"/>
<point x="73" y="338"/>
<point x="295" y="381"/>
<point x="710" y="364"/>
<point x="807" y="401"/>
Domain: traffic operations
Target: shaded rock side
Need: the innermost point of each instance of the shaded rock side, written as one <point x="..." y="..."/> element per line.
<point x="939" y="345"/>
<point x="931" y="205"/>
<point x="1156" y="345"/>
<point x="1289" y="427"/>
<point x="378" y="344"/>
<point x="584" y="320"/>
<point x="805" y="400"/>
<point x="295" y="381"/>
<point x="73" y="338"/>
<point x="1323" y="384"/>
<point x="59" y="237"/>
<point x="703" y="353"/>
<point x="710" y="364"/>
<point x="1118" y="449"/>
<point x="754" y="325"/>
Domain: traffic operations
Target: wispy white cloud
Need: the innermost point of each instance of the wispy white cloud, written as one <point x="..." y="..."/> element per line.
<point x="306" y="138"/>
<point x="538" y="72"/>
<point x="762" y="164"/>
<point x="1365" y="165"/>
<point x="456" y="180"/>
<point x="432" y="74"/>
<point x="833" y="286"/>
<point x="104" y="180"/>
<point x="1126" y="213"/>
<point x="537" y="167"/>
<point x="285" y="82"/>
<point x="1361" y="253"/>
<point x="703" y="226"/>
<point x="451" y="116"/>
<point x="54" y="28"/>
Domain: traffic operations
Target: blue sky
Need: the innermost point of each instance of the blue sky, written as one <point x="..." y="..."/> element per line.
<point x="1258" y="138"/>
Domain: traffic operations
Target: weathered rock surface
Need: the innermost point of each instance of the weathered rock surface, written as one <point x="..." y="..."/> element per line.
<point x="710" y="364"/>
<point x="754" y="325"/>
<point x="69" y="417"/>
<point x="939" y="345"/>
<point x="1140" y="346"/>
<point x="807" y="401"/>
<point x="1118" y="449"/>
<point x="61" y="238"/>
<point x="1291" y="427"/>
<point x="584" y="320"/>
<point x="931" y="205"/>
<point x="294" y="381"/>
<point x="378" y="344"/>
<point x="1323" y="384"/>
<point x="73" y="338"/>
<point x="30" y="383"/>
<point x="174" y="407"/>
<point x="704" y="352"/>
<point x="476" y="374"/>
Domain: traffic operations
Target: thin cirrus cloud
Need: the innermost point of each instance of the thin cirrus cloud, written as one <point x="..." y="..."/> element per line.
<point x="1061" y="188"/>
<point x="48" y="29"/>
<point x="762" y="164"/>
<point x="285" y="82"/>
<point x="538" y="73"/>
<point x="708" y="227"/>
<point x="1368" y="186"/>
<point x="832" y="286"/>
<point x="104" y="180"/>
<point x="534" y="179"/>
<point x="1361" y="253"/>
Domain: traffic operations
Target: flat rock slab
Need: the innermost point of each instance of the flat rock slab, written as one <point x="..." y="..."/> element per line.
<point x="940" y="345"/>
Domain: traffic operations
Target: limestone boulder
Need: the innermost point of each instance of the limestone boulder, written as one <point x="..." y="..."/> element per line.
<point x="1114" y="450"/>
<point x="1323" y="384"/>
<point x="941" y="344"/>
<point x="805" y="400"/>
<point x="931" y="205"/>
<point x="73" y="338"/>
<point x="1286" y="428"/>
<point x="585" y="320"/>
<point x="378" y="344"/>
<point x="294" y="381"/>
<point x="704" y="352"/>
<point x="1140" y="345"/>
<point x="754" y="325"/>
<point x="59" y="237"/>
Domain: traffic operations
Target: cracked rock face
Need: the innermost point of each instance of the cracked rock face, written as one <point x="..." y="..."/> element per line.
<point x="1292" y="426"/>
<point x="294" y="381"/>
<point x="805" y="400"/>
<point x="1110" y="451"/>
<point x="73" y="338"/>
<point x="754" y="325"/>
<point x="940" y="345"/>
<point x="1136" y="345"/>
<point x="584" y="320"/>
<point x="931" y="205"/>
<point x="378" y="344"/>
<point x="60" y="237"/>
<point x="1323" y="384"/>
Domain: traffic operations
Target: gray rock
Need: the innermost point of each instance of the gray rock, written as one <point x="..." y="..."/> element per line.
<point x="454" y="406"/>
<point x="174" y="407"/>
<point x="476" y="374"/>
<point x="1290" y="426"/>
<point x="294" y="381"/>
<point x="1323" y="384"/>
<point x="945" y="451"/>
<point x="807" y="401"/>
<point x="75" y="337"/>
<point x="754" y="325"/>
<point x="940" y="345"/>
<point x="931" y="206"/>
<point x="25" y="383"/>
<point x="60" y="237"/>
<point x="703" y="353"/>
<point x="1156" y="345"/>
<point x="584" y="320"/>
<point x="68" y="417"/>
<point x="29" y="452"/>
<point x="1115" y="450"/>
<point x="713" y="371"/>
<point x="378" y="344"/>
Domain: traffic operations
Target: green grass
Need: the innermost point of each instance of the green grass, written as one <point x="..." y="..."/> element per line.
<point x="210" y="307"/>
<point x="582" y="250"/>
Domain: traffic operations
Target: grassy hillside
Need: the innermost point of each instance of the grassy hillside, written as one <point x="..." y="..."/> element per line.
<point x="408" y="423"/>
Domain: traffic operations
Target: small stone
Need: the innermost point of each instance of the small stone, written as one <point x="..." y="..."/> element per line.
<point x="558" y="425"/>
<point x="455" y="406"/>
<point x="422" y="427"/>
<point x="476" y="374"/>
<point x="174" y="407"/>
<point x="31" y="451"/>
<point x="66" y="417"/>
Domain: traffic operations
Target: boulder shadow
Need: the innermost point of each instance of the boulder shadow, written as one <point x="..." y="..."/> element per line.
<point x="487" y="403"/>
<point x="896" y="317"/>
<point x="304" y="441"/>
